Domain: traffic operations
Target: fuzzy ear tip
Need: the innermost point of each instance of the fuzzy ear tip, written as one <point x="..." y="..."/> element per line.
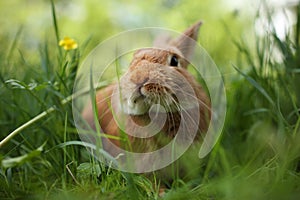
<point x="194" y="29"/>
<point x="198" y="24"/>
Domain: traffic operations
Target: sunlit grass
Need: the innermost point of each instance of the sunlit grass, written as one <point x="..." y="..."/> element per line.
<point x="257" y="156"/>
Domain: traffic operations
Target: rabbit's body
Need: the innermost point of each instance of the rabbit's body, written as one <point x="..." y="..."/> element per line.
<point x="156" y="76"/>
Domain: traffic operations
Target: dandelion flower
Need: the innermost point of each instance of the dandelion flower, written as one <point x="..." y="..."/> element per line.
<point x="68" y="43"/>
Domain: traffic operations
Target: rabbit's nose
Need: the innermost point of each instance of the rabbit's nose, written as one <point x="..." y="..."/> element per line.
<point x="139" y="80"/>
<point x="140" y="75"/>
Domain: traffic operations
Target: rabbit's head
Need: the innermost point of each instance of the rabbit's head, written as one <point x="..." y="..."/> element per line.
<point x="159" y="75"/>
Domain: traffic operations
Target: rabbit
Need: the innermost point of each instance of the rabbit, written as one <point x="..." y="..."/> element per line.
<point x="156" y="76"/>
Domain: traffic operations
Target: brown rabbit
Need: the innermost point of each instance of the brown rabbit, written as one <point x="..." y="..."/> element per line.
<point x="156" y="76"/>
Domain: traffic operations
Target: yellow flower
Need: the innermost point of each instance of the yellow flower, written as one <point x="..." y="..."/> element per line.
<point x="68" y="43"/>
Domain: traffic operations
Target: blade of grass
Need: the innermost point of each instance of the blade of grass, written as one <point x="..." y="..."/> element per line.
<point x="243" y="49"/>
<point x="125" y="140"/>
<point x="22" y="85"/>
<point x="65" y="154"/>
<point x="14" y="44"/>
<point x="88" y="145"/>
<point x="25" y="125"/>
<point x="56" y="27"/>
<point x="42" y="115"/>
<point x="94" y="105"/>
<point x="256" y="85"/>
<point x="297" y="35"/>
<point x="17" y="161"/>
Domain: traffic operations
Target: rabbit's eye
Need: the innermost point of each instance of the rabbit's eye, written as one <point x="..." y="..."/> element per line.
<point x="174" y="61"/>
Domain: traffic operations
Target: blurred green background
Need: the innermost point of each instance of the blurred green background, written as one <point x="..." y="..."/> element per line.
<point x="97" y="20"/>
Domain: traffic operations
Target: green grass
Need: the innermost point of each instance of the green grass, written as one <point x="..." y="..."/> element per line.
<point x="257" y="157"/>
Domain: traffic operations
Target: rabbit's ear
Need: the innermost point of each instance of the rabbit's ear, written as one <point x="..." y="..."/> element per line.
<point x="186" y="42"/>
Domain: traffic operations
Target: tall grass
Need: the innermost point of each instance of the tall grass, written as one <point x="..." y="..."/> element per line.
<point x="257" y="157"/>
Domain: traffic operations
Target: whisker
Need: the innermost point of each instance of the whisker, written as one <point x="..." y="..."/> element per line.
<point x="193" y="97"/>
<point x="104" y="99"/>
<point x="170" y="117"/>
<point x="183" y="110"/>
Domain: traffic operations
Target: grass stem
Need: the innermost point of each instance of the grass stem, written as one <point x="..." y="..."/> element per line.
<point x="43" y="114"/>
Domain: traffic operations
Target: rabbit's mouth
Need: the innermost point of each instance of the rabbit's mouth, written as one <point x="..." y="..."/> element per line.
<point x="136" y="104"/>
